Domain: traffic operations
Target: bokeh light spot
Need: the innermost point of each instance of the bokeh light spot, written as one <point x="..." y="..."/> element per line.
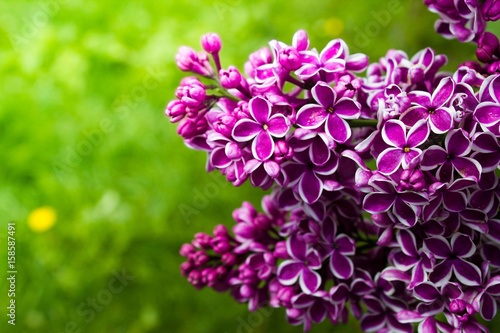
<point x="42" y="219"/>
<point x="334" y="26"/>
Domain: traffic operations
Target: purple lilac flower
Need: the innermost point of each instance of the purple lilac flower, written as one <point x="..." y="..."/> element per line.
<point x="432" y="107"/>
<point x="261" y="128"/>
<point x="331" y="109"/>
<point x="301" y="267"/>
<point x="403" y="149"/>
<point x="431" y="141"/>
<point x="405" y="205"/>
<point x="452" y="158"/>
<point x="453" y="257"/>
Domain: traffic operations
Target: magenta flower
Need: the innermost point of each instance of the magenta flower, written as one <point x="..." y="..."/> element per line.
<point x="488" y="151"/>
<point x="432" y="107"/>
<point x="307" y="178"/>
<point x="318" y="306"/>
<point x="301" y="267"/>
<point x="411" y="257"/>
<point x="486" y="301"/>
<point x="453" y="257"/>
<point x="338" y="248"/>
<point x="261" y="128"/>
<point x="404" y="205"/>
<point x="331" y="109"/>
<point x="453" y="158"/>
<point x="403" y="146"/>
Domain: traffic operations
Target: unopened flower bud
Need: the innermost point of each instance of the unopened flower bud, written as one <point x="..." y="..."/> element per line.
<point x="490" y="10"/>
<point x="290" y="58"/>
<point x="176" y="110"/>
<point x="211" y="43"/>
<point x="230" y="78"/>
<point x="186" y="249"/>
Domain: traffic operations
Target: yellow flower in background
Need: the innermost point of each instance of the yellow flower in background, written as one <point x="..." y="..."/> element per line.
<point x="42" y="219"/>
<point x="334" y="26"/>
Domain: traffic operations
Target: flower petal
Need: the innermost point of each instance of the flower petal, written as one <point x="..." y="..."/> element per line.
<point x="433" y="156"/>
<point x="341" y="266"/>
<point x="441" y="120"/>
<point x="289" y="271"/>
<point x="263" y="146"/>
<point x="278" y="125"/>
<point x="467" y="167"/>
<point x="324" y="95"/>
<point x="310" y="187"/>
<point x="260" y="109"/>
<point x="309" y="281"/>
<point x="378" y="202"/>
<point x="415" y="113"/>
<point x="488" y="307"/>
<point x="394" y="133"/>
<point x="441" y="273"/>
<point x="337" y="128"/>
<point x="457" y="143"/>
<point x="438" y="246"/>
<point x="245" y="129"/>
<point x="296" y="247"/>
<point x="389" y="160"/>
<point x="311" y="116"/>
<point x="487" y="113"/>
<point x="404" y="213"/>
<point x="418" y="134"/>
<point x="347" y="108"/>
<point x="467" y="273"/>
<point x="443" y="92"/>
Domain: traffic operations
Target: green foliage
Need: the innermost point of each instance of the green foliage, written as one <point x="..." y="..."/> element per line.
<point x="84" y="85"/>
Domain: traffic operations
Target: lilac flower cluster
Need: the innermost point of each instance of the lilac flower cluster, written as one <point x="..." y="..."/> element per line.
<point x="464" y="19"/>
<point x="384" y="188"/>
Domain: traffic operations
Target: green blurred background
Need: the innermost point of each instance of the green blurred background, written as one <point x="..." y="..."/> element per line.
<point x="83" y="86"/>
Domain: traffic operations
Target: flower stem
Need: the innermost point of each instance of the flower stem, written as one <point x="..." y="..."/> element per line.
<point x="363" y="123"/>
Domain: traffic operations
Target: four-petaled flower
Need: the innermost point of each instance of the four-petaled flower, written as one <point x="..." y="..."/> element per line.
<point x="301" y="267"/>
<point x="403" y="146"/>
<point x="432" y="107"/>
<point x="261" y="128"/>
<point x="331" y="109"/>
<point x="453" y="257"/>
<point x="457" y="147"/>
<point x="405" y="205"/>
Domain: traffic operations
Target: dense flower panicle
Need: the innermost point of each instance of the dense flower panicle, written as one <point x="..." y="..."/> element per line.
<point x="384" y="186"/>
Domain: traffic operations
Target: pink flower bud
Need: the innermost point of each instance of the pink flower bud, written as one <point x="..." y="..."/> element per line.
<point x="230" y="78"/>
<point x="211" y="43"/>
<point x="176" y="110"/>
<point x="290" y="58"/>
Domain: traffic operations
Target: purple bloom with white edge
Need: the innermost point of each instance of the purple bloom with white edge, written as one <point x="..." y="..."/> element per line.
<point x="410" y="257"/>
<point x="451" y="196"/>
<point x="318" y="305"/>
<point x="261" y="128"/>
<point x="301" y="267"/>
<point x="404" y="205"/>
<point x="452" y="158"/>
<point x="486" y="302"/>
<point x="487" y="196"/>
<point x="432" y="107"/>
<point x="381" y="318"/>
<point x="331" y="109"/>
<point x="403" y="146"/>
<point x="433" y="299"/>
<point x="453" y="257"/>
<point x="338" y="248"/>
<point x="332" y="59"/>
<point x="307" y="178"/>
<point x="487" y="151"/>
